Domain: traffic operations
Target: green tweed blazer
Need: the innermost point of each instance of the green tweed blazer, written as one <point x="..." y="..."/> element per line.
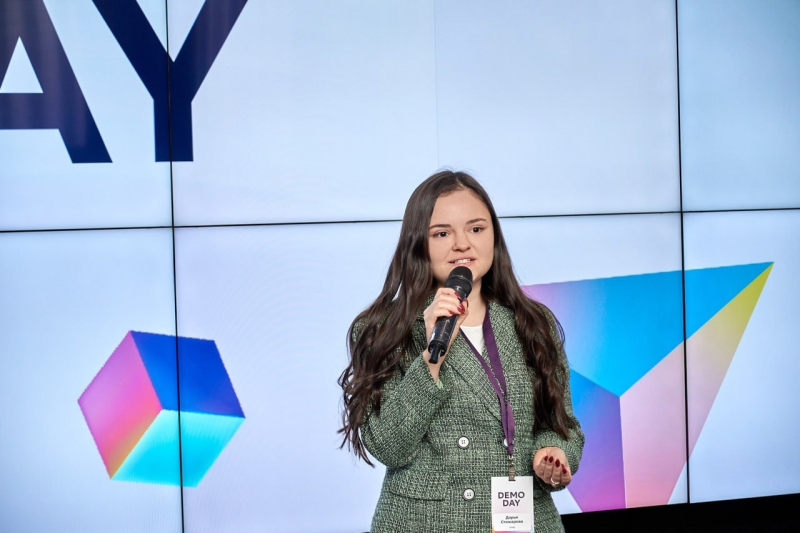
<point x="431" y="475"/>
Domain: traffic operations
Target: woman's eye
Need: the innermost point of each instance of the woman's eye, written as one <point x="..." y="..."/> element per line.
<point x="440" y="234"/>
<point x="477" y="229"/>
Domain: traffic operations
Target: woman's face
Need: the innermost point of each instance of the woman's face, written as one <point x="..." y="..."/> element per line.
<point x="460" y="234"/>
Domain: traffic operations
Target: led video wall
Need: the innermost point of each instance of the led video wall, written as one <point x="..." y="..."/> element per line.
<point x="206" y="192"/>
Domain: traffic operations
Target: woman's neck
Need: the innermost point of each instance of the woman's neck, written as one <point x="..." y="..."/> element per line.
<point x="477" y="308"/>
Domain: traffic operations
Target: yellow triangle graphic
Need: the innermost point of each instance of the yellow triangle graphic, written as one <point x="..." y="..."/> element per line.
<point x="710" y="350"/>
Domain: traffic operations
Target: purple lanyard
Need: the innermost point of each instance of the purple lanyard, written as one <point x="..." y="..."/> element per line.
<point x="498" y="381"/>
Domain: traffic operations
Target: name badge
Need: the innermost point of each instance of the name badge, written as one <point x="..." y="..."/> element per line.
<point x="512" y="504"/>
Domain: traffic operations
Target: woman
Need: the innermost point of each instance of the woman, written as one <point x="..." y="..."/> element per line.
<point x="447" y="430"/>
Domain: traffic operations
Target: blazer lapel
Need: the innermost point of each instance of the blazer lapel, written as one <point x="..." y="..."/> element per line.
<point x="510" y="349"/>
<point x="462" y="360"/>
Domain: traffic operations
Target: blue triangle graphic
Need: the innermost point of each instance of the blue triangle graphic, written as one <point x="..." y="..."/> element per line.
<point x="618" y="329"/>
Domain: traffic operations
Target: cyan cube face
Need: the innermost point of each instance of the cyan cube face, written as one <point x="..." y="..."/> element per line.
<point x="134" y="410"/>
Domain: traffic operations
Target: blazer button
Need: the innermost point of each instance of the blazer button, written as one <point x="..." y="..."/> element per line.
<point x="463" y="443"/>
<point x="469" y="494"/>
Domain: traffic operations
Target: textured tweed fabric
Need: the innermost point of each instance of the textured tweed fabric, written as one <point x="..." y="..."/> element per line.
<point x="430" y="479"/>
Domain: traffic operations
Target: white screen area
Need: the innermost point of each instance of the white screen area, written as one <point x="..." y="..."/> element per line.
<point x="740" y="104"/>
<point x="561" y="108"/>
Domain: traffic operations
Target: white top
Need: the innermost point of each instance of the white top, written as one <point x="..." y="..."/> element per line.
<point x="475" y="336"/>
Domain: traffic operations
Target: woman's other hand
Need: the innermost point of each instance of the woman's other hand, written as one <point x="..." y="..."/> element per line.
<point x="552" y="467"/>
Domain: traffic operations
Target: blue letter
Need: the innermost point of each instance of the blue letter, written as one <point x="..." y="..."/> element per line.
<point x="173" y="85"/>
<point x="61" y="104"/>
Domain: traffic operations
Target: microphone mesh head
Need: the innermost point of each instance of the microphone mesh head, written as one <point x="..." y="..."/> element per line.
<point x="460" y="277"/>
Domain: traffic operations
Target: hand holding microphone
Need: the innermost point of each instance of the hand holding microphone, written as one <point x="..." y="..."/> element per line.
<point x="460" y="281"/>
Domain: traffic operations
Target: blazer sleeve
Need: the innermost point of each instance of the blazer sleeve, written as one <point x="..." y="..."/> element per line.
<point x="545" y="437"/>
<point x="409" y="401"/>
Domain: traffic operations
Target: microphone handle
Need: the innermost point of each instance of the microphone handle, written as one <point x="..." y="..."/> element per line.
<point x="444" y="327"/>
<point x="440" y="339"/>
<point x="435" y="354"/>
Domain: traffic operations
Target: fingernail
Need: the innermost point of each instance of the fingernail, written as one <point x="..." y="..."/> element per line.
<point x="563" y="470"/>
<point x="451" y="313"/>
<point x="558" y="463"/>
<point x="550" y="459"/>
<point x="461" y="308"/>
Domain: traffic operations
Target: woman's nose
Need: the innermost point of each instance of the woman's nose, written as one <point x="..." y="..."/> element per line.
<point x="461" y="241"/>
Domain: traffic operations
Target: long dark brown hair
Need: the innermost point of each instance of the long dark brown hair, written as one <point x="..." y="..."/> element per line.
<point x="380" y="336"/>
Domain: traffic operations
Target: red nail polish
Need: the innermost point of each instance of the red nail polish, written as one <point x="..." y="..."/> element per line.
<point x="550" y="459"/>
<point x="563" y="470"/>
<point x="558" y="463"/>
<point x="461" y="309"/>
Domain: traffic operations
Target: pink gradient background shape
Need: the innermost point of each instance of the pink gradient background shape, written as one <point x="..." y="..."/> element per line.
<point x="119" y="404"/>
<point x="654" y="432"/>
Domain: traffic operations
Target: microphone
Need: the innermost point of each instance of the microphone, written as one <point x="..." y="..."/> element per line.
<point x="460" y="280"/>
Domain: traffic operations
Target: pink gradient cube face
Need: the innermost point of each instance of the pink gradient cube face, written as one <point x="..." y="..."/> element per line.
<point x="132" y="409"/>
